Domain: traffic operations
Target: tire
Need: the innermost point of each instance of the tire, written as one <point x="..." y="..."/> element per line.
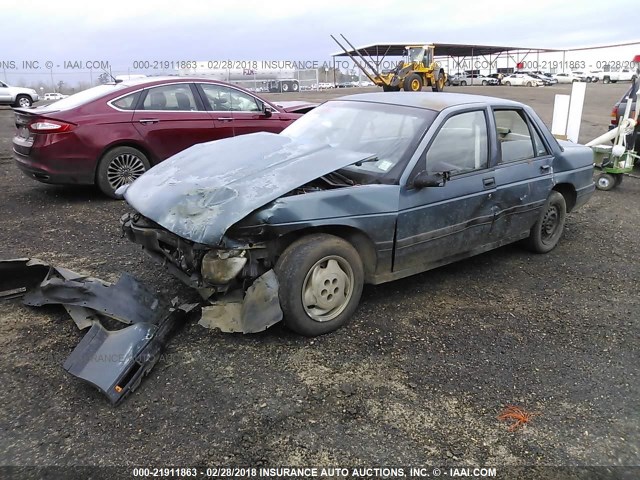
<point x="619" y="178"/>
<point x="484" y="83"/>
<point x="284" y="87"/>
<point x="439" y="81"/>
<point x="23" y="101"/>
<point x="388" y="88"/>
<point x="606" y="80"/>
<point x="614" y="81"/>
<point x="547" y="231"/>
<point x="605" y="182"/>
<point x="529" y="84"/>
<point x="295" y="87"/>
<point x="413" y="83"/>
<point x="119" y="166"/>
<point x="463" y="83"/>
<point x="588" y="80"/>
<point x="508" y="84"/>
<point x="326" y="267"/>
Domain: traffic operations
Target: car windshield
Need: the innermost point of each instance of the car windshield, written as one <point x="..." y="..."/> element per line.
<point x="86" y="96"/>
<point x="384" y="132"/>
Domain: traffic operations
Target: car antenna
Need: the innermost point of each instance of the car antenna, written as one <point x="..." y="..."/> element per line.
<point x="115" y="80"/>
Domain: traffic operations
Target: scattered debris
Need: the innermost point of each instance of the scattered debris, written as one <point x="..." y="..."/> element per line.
<point x="114" y="361"/>
<point x="517" y="415"/>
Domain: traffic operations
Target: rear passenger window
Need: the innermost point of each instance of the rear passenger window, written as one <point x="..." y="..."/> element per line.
<point x="514" y="137"/>
<point x="176" y="97"/>
<point x="126" y="103"/>
<point x="460" y="146"/>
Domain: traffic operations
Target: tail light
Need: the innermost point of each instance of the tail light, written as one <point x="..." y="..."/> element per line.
<point x="50" y="126"/>
<point x="614" y="116"/>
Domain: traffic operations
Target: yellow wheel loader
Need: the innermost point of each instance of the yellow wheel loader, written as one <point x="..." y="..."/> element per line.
<point x="416" y="70"/>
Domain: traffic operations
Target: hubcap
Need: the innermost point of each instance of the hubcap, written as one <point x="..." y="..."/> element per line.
<point x="550" y="223"/>
<point x="123" y="169"/>
<point x="24" y="102"/>
<point x="327" y="288"/>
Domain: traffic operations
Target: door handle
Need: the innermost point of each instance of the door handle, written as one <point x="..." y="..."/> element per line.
<point x="488" y="182"/>
<point x="225" y="119"/>
<point x="147" y="121"/>
<point x="545" y="168"/>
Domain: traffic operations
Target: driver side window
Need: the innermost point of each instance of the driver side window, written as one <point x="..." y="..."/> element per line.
<point x="460" y="145"/>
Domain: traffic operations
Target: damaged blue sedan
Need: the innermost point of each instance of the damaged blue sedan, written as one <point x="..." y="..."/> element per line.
<point x="366" y="188"/>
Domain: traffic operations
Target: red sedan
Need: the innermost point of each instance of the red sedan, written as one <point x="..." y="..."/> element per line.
<point x="111" y="134"/>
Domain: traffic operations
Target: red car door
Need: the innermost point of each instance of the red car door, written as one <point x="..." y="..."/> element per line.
<point x="172" y="118"/>
<point x="241" y="111"/>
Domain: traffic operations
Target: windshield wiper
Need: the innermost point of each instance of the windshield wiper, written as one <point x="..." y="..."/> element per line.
<point x="372" y="158"/>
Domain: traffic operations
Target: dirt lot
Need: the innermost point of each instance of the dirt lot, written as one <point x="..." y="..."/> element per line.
<point x="418" y="377"/>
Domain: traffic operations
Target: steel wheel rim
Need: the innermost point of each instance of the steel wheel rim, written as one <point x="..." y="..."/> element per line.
<point x="23" y="102"/>
<point x="327" y="288"/>
<point x="123" y="169"/>
<point x="415" y="85"/>
<point x="603" y="182"/>
<point x="440" y="83"/>
<point x="550" y="223"/>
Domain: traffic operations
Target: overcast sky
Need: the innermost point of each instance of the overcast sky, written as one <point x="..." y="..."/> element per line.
<point x="123" y="31"/>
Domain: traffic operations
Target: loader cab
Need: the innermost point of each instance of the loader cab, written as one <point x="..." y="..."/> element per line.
<point x="421" y="55"/>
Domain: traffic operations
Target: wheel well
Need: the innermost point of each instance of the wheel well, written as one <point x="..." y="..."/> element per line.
<point x="568" y="191"/>
<point x="135" y="145"/>
<point x="360" y="241"/>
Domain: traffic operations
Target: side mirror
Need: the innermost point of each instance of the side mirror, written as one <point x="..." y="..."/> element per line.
<point x="268" y="111"/>
<point x="426" y="179"/>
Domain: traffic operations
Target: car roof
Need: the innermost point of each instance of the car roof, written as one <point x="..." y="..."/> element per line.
<point x="436" y="101"/>
<point x="137" y="82"/>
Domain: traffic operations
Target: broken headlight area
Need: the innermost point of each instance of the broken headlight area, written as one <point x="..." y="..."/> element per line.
<point x="237" y="282"/>
<point x="207" y="269"/>
<point x="113" y="361"/>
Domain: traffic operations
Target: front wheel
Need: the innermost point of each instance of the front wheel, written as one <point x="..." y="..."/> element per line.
<point x="484" y="83"/>
<point x="529" y="84"/>
<point x="463" y="83"/>
<point x="23" y="101"/>
<point x="120" y="166"/>
<point x="413" y="83"/>
<point x="321" y="278"/>
<point x="508" y="84"/>
<point x="546" y="232"/>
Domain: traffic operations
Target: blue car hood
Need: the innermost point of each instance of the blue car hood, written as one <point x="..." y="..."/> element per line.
<point x="202" y="191"/>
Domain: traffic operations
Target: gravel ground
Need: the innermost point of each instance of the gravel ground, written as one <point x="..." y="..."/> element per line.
<point x="417" y="377"/>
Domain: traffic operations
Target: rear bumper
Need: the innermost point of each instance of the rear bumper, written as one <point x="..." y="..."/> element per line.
<point x="55" y="171"/>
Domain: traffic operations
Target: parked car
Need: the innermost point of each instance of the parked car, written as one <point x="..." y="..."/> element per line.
<point x="54" y="96"/>
<point x="567" y="78"/>
<point x="366" y="188"/>
<point x="522" y="79"/>
<point x="624" y="75"/>
<point x="547" y="81"/>
<point x="17" y="96"/>
<point x="473" y="79"/>
<point x="111" y="134"/>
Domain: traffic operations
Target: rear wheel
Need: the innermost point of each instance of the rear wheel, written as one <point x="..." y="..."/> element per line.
<point x="321" y="278"/>
<point x="606" y="80"/>
<point x="413" y="83"/>
<point x="546" y="232"/>
<point x="508" y="84"/>
<point x="389" y="88"/>
<point x="120" y="166"/>
<point x="439" y="81"/>
<point x="463" y="83"/>
<point x="285" y="86"/>
<point x="529" y="84"/>
<point x="484" y="83"/>
<point x="23" y="101"/>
